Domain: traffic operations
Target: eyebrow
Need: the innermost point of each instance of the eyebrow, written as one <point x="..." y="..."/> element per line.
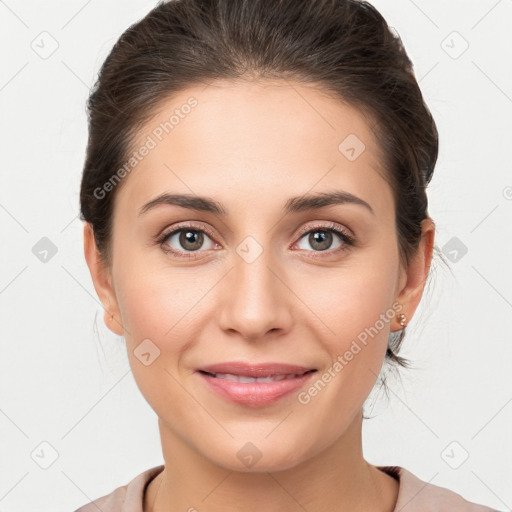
<point x="293" y="205"/>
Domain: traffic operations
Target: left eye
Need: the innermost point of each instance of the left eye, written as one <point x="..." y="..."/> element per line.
<point x="322" y="238"/>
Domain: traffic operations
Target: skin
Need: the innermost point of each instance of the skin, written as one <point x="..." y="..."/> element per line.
<point x="251" y="146"/>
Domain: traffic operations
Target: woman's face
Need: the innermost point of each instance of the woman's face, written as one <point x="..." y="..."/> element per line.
<point x="265" y="281"/>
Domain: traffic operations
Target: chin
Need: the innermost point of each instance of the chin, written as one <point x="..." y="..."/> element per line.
<point x="258" y="457"/>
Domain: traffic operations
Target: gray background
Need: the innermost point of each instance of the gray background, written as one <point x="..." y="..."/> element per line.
<point x="73" y="423"/>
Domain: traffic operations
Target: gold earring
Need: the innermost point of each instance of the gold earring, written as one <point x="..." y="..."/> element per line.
<point x="403" y="320"/>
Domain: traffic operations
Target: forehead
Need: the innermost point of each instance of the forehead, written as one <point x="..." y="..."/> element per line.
<point x="246" y="143"/>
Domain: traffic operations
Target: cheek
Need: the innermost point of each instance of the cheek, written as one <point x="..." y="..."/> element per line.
<point x="149" y="307"/>
<point x="345" y="301"/>
<point x="143" y="308"/>
<point x="153" y="298"/>
<point x="353" y="311"/>
<point x="162" y="313"/>
<point x="357" y="317"/>
<point x="149" y="311"/>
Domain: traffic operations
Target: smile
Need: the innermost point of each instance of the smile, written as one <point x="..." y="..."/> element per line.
<point x="254" y="391"/>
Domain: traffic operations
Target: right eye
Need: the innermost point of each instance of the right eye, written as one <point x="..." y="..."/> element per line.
<point x="185" y="239"/>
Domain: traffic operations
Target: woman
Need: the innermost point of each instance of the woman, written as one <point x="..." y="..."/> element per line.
<point x="256" y="227"/>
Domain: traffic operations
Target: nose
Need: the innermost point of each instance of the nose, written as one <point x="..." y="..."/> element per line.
<point x="255" y="299"/>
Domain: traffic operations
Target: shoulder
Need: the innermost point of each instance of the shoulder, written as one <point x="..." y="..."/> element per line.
<point x="416" y="495"/>
<point x="126" y="498"/>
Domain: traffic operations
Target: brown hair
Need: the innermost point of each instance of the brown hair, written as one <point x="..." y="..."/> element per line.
<point x="345" y="46"/>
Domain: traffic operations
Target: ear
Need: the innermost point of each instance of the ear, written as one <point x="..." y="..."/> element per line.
<point x="102" y="280"/>
<point x="413" y="279"/>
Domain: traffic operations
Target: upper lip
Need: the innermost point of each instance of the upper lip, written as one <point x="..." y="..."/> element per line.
<point x="255" y="370"/>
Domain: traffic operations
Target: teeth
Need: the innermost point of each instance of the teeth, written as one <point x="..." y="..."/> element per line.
<point x="244" y="379"/>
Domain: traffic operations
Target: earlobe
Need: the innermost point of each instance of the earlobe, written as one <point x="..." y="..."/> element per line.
<point x="417" y="273"/>
<point x="113" y="323"/>
<point x="102" y="281"/>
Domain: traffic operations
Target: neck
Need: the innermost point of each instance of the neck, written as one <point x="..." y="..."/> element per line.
<point x="338" y="478"/>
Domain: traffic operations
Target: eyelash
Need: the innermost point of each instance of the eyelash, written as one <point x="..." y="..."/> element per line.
<point x="347" y="240"/>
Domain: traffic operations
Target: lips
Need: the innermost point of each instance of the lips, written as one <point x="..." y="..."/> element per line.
<point x="254" y="385"/>
<point x="239" y="371"/>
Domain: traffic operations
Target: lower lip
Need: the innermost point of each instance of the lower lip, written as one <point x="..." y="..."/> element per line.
<point x="254" y="394"/>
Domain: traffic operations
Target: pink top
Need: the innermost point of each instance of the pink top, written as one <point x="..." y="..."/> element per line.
<point x="414" y="495"/>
